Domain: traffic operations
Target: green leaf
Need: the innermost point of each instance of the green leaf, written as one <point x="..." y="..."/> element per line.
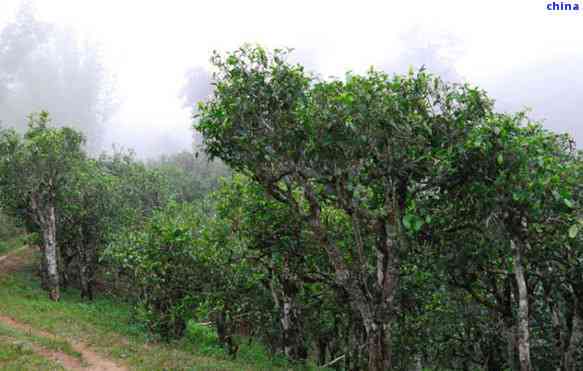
<point x="232" y="60"/>
<point x="407" y="221"/>
<point x="500" y="159"/>
<point x="417" y="224"/>
<point x="573" y="231"/>
<point x="568" y="202"/>
<point x="413" y="222"/>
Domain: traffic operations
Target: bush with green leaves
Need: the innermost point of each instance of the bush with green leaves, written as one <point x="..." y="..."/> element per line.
<point x="161" y="260"/>
<point x="34" y="170"/>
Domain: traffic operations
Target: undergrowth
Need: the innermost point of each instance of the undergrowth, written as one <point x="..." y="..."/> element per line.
<point x="105" y="325"/>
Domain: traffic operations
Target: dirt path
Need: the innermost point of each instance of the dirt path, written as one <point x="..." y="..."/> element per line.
<point x="90" y="361"/>
<point x="8" y="265"/>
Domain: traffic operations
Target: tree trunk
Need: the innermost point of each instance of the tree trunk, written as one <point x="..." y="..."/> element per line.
<point x="86" y="251"/>
<point x="354" y="352"/>
<point x="224" y="333"/>
<point x="557" y="331"/>
<point x="568" y="360"/>
<point x="44" y="216"/>
<point x="510" y="335"/>
<point x="287" y="323"/>
<point x="418" y="362"/>
<point x="44" y="276"/>
<point x="378" y="337"/>
<point x="373" y="304"/>
<point x="86" y="289"/>
<point x="508" y="322"/>
<point x="293" y="342"/>
<point x="575" y="339"/>
<point x="523" y="326"/>
<point x="321" y="345"/>
<point x="51" y="253"/>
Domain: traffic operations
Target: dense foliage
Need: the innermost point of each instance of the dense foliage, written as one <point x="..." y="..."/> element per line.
<point x="409" y="166"/>
<point x="372" y="222"/>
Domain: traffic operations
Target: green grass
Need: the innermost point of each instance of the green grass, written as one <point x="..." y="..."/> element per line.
<point x="47" y="343"/>
<point x="104" y="325"/>
<point x="204" y="338"/>
<point x="17" y="355"/>
<point x="11" y="244"/>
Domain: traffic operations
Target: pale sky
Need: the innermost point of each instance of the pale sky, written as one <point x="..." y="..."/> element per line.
<point x="513" y="49"/>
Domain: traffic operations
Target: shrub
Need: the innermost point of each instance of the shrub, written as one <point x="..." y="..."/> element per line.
<point x="160" y="260"/>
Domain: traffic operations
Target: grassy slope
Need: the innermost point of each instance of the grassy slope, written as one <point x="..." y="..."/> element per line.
<point x="103" y="324"/>
<point x="21" y="337"/>
<point x="16" y="351"/>
<point x="17" y="355"/>
<point x="11" y="244"/>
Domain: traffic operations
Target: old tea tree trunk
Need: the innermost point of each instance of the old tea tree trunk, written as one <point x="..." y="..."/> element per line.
<point x="374" y="303"/>
<point x="523" y="327"/>
<point x="44" y="212"/>
<point x="34" y="167"/>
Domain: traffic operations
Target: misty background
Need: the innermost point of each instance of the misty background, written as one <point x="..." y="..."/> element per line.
<point x="130" y="75"/>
